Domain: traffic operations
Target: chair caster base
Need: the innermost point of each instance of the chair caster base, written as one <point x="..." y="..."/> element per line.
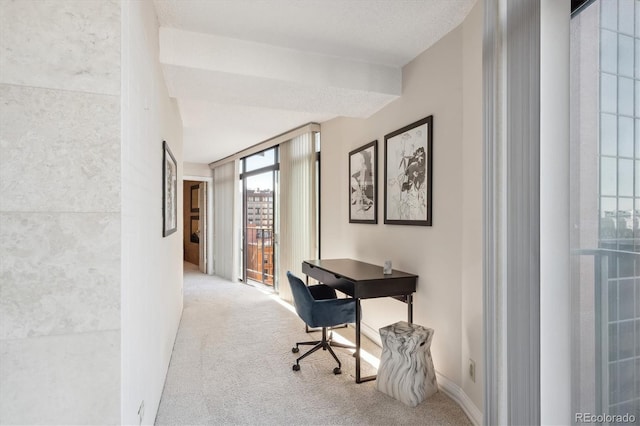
<point x="296" y="367"/>
<point x="337" y="370"/>
<point x="295" y="350"/>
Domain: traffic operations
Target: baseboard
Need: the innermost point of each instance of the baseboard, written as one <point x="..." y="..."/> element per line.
<point x="447" y="386"/>
<point x="456" y="393"/>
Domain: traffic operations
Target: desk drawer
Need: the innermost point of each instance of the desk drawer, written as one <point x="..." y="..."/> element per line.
<point x="386" y="288"/>
<point x="320" y="274"/>
<point x="332" y="280"/>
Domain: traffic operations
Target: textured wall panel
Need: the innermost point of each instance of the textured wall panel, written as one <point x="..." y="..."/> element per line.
<point x="73" y="379"/>
<point x="60" y="273"/>
<point x="71" y="44"/>
<point x="59" y="150"/>
<point x="60" y="190"/>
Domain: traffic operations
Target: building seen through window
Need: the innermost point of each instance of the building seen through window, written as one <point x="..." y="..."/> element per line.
<point x="605" y="207"/>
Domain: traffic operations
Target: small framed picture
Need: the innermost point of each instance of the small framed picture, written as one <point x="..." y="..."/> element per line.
<point x="363" y="184"/>
<point x="169" y="191"/>
<point x="408" y="171"/>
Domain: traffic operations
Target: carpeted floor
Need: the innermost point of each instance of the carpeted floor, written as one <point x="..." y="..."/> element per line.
<point x="232" y="360"/>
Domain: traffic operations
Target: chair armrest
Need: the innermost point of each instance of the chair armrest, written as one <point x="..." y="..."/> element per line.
<point x="327" y="313"/>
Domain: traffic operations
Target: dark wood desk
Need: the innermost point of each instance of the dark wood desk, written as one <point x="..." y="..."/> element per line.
<point x="362" y="280"/>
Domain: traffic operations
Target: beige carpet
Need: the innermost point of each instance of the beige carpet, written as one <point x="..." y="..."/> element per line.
<point x="232" y="360"/>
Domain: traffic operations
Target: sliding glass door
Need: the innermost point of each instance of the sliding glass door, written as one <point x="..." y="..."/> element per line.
<point x="605" y="208"/>
<point x="280" y="205"/>
<point x="258" y="175"/>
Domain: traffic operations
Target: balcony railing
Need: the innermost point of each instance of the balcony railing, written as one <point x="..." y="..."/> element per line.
<point x="608" y="327"/>
<point x="259" y="246"/>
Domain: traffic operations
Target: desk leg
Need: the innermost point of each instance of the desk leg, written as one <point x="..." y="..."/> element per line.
<point x="306" y="281"/>
<point x="410" y="308"/>
<point x="359" y="378"/>
<point x="358" y="340"/>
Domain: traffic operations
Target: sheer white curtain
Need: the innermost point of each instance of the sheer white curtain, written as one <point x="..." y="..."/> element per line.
<point x="298" y="184"/>
<point x="225" y="223"/>
<point x="511" y="75"/>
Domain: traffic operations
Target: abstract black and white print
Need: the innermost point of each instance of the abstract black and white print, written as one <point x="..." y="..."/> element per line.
<point x="408" y="174"/>
<point x="169" y="192"/>
<point x="362" y="184"/>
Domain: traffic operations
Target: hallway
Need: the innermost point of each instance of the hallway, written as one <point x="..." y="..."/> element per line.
<point x="231" y="364"/>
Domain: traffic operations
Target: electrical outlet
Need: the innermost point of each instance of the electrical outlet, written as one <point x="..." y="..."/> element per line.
<point x="472" y="370"/>
<point x="141" y="411"/>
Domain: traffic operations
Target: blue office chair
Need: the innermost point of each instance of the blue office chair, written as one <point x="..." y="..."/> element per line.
<point x="318" y="306"/>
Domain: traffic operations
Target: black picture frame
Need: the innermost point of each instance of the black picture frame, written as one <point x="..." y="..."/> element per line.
<point x="169" y="191"/>
<point x="408" y="174"/>
<point x="194" y="199"/>
<point x="363" y="184"/>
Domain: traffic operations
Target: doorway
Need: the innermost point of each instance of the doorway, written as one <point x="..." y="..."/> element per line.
<point x="195" y="223"/>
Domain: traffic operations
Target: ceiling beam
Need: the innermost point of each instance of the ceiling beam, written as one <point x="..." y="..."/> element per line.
<point x="251" y="59"/>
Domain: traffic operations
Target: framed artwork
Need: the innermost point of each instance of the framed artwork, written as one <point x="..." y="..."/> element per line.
<point x="408" y="172"/>
<point x="363" y="184"/>
<point x="169" y="191"/>
<point x="194" y="199"/>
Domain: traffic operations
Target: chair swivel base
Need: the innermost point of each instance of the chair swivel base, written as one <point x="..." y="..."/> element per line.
<point x="325" y="344"/>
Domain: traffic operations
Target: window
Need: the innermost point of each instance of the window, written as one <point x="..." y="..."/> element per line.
<point x="260" y="160"/>
<point x="258" y="180"/>
<point x="605" y="207"/>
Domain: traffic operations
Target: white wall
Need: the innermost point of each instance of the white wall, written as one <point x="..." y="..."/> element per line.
<point x="446" y="82"/>
<point x="151" y="264"/>
<point x="472" y="209"/>
<point x="60" y="212"/>
<point x="197" y="169"/>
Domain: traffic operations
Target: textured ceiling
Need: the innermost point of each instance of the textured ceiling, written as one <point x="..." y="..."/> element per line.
<point x="258" y="68"/>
